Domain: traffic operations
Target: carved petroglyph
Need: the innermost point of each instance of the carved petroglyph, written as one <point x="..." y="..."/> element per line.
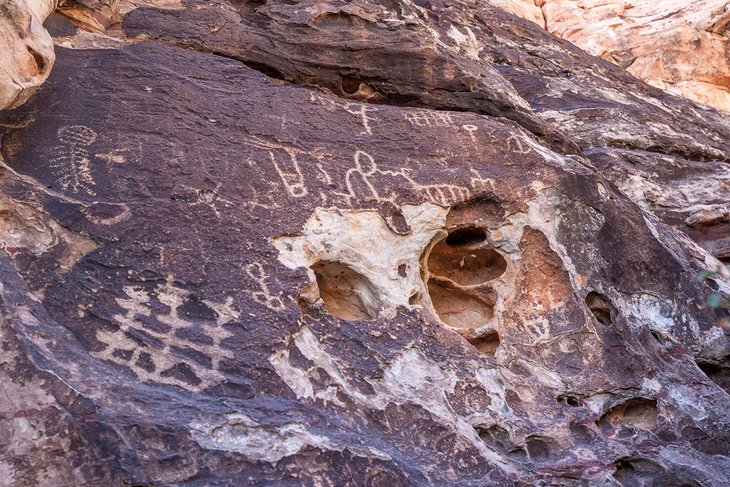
<point x="357" y="109"/>
<point x="286" y="166"/>
<point x="72" y="158"/>
<point x="427" y="118"/>
<point x="210" y="198"/>
<point x="471" y="130"/>
<point x="179" y="346"/>
<point x="365" y="181"/>
<point x="123" y="215"/>
<point x="263" y="295"/>
<point x="443" y="194"/>
<point x="517" y="144"/>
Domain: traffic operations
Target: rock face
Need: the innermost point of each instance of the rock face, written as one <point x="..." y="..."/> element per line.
<point x="26" y="49"/>
<point x="678" y="46"/>
<point x="362" y="243"/>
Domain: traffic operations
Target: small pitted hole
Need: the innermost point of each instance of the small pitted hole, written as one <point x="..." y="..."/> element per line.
<point x="601" y="308"/>
<point x="458" y="308"/>
<point x="540" y="448"/>
<point x="518" y="452"/>
<point x="350" y="85"/>
<point x="402" y="270"/>
<point x="495" y="436"/>
<point x="466" y="236"/>
<point x="661" y="339"/>
<point x="487" y="343"/>
<point x="346" y="294"/>
<point x="571" y="401"/>
<point x="712" y="284"/>
<point x="464" y="265"/>
<point x="414" y="299"/>
<point x="637" y="471"/>
<point x="635" y="413"/>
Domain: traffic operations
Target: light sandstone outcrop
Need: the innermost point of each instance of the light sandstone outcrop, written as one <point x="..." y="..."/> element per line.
<point x="357" y="243"/>
<point x="26" y="49"/>
<point x="678" y="46"/>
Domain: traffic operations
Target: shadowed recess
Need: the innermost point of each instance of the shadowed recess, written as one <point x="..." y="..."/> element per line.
<point x="459" y="258"/>
<point x="346" y="293"/>
<point x="601" y="308"/>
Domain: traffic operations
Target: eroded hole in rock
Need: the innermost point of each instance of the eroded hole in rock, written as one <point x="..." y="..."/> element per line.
<point x="717" y="374"/>
<point x="634" y="413"/>
<point x="466" y="236"/>
<point x="458" y="308"/>
<point x="601" y="308"/>
<point x="540" y="448"/>
<point x="487" y="343"/>
<point x="569" y="400"/>
<point x="636" y="472"/>
<point x="458" y="258"/>
<point x="38" y="59"/>
<point x="350" y="85"/>
<point x="346" y="293"/>
<point x="495" y="436"/>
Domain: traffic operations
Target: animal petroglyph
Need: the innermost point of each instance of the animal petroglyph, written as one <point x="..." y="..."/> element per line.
<point x="263" y="295"/>
<point x="179" y="346"/>
<point x="72" y="158"/>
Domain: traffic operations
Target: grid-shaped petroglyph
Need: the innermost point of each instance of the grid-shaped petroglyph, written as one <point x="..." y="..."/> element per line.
<point x="428" y="118"/>
<point x="168" y="335"/>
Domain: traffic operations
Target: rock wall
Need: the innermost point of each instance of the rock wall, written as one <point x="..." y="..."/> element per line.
<point x="26" y="49"/>
<point x="362" y="243"/>
<point x="681" y="47"/>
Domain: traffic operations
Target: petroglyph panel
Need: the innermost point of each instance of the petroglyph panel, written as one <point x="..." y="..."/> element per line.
<point x="178" y="345"/>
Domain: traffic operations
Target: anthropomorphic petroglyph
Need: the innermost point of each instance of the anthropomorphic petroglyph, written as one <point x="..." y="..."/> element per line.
<point x="179" y="346"/>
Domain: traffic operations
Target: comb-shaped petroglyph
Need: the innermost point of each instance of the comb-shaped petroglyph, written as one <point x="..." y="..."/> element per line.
<point x="429" y="118"/>
<point x="180" y="345"/>
<point x="72" y="158"/>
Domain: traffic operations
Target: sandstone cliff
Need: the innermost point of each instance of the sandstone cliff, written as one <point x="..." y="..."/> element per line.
<point x="357" y="243"/>
<point x="683" y="47"/>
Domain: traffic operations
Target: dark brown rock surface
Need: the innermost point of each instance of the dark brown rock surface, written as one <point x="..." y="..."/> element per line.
<point x="263" y="243"/>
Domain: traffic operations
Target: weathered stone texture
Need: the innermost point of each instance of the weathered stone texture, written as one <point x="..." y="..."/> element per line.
<point x="26" y="49"/>
<point x="361" y="243"/>
<point x="675" y="45"/>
